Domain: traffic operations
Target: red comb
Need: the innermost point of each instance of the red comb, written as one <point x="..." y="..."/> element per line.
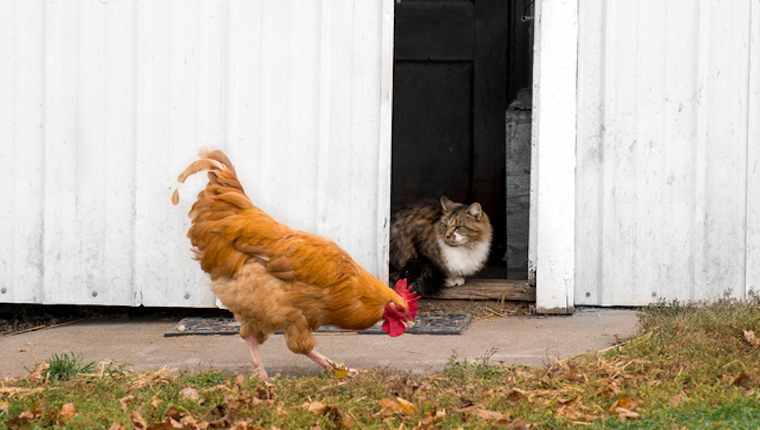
<point x="406" y="293"/>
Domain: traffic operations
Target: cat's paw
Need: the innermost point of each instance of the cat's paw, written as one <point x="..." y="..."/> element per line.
<point x="454" y="282"/>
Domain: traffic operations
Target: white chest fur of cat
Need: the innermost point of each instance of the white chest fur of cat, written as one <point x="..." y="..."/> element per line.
<point x="462" y="261"/>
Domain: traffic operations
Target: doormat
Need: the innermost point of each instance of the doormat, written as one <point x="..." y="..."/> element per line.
<point x="436" y="324"/>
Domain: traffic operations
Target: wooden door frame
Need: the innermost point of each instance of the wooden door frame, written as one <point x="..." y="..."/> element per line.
<point x="552" y="204"/>
<point x="386" y="134"/>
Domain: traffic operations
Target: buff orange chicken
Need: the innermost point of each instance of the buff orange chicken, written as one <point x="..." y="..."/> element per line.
<point x="272" y="277"/>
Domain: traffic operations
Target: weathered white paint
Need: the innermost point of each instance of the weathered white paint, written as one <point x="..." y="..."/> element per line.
<point x="552" y="183"/>
<point x="752" y="265"/>
<point x="103" y="103"/>
<point x="667" y="151"/>
<point x="21" y="118"/>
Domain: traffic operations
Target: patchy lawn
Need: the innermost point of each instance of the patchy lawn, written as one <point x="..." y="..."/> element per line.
<point x="690" y="366"/>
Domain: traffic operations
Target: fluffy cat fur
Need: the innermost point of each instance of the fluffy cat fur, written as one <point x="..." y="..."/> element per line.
<point x="435" y="244"/>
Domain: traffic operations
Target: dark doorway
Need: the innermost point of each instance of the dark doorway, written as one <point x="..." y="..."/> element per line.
<point x="458" y="64"/>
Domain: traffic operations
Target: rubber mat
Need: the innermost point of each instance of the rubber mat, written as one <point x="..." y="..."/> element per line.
<point x="436" y="324"/>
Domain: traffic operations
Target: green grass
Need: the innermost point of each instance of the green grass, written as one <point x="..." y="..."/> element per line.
<point x="65" y="367"/>
<point x="689" y="366"/>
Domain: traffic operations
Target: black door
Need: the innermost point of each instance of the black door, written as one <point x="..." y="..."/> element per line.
<point x="449" y="101"/>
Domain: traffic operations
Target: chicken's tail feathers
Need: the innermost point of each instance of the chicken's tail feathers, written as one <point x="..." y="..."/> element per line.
<point x="223" y="181"/>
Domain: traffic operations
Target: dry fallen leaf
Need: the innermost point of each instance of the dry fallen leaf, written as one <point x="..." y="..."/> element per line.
<point x="116" y="426"/>
<point x="239" y="380"/>
<point x="173" y="413"/>
<point x="740" y="379"/>
<point x="575" y="415"/>
<point x="244" y="425"/>
<point x="154" y="404"/>
<point x="750" y="336"/>
<point x="39" y="410"/>
<point x="224" y="421"/>
<point x="189" y="423"/>
<point x="266" y="392"/>
<point x="466" y="410"/>
<point x="518" y="424"/>
<point x="67" y="411"/>
<point x="124" y="401"/>
<point x="167" y="424"/>
<point x="406" y="405"/>
<point x="515" y="395"/>
<point x="610" y="388"/>
<point x="36" y="375"/>
<point x="189" y="393"/>
<point x="491" y="415"/>
<point x="389" y="407"/>
<point x="315" y="407"/>
<point x="678" y="399"/>
<point x="571" y="400"/>
<point x="138" y="421"/>
<point x="624" y="413"/>
<point x="21" y="421"/>
<point x="340" y="418"/>
<point x="430" y="419"/>
<point x="175" y="423"/>
<point x="623" y="408"/>
<point x="623" y="402"/>
<point x="341" y="373"/>
<point x="574" y="376"/>
<point x="497" y="418"/>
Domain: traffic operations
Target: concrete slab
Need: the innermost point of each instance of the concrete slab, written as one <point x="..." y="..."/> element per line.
<point x="525" y="340"/>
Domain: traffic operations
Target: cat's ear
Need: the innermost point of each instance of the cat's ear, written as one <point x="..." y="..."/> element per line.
<point x="447" y="204"/>
<point x="475" y="210"/>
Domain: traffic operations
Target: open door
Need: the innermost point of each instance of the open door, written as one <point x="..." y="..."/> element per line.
<point x="457" y="64"/>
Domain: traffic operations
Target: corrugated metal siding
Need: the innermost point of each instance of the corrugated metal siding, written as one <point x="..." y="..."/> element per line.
<point x="668" y="158"/>
<point x="103" y="103"/>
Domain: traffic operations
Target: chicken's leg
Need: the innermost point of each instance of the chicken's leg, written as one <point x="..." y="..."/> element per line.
<point x="258" y="368"/>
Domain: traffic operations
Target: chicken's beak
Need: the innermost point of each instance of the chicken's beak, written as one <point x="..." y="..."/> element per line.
<point x="409" y="324"/>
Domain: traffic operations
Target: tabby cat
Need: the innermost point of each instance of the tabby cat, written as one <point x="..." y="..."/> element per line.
<point x="436" y="244"/>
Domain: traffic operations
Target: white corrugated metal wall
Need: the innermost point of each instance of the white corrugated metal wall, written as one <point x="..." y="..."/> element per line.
<point x="103" y="103"/>
<point x="668" y="151"/>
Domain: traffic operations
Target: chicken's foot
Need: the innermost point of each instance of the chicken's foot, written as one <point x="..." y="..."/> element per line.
<point x="258" y="368"/>
<point x="329" y="364"/>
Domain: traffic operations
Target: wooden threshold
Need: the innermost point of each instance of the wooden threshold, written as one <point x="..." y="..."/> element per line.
<point x="490" y="289"/>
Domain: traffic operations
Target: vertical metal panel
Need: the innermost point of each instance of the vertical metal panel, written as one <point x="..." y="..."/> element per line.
<point x="178" y="110"/>
<point x="22" y="75"/>
<point x="664" y="151"/>
<point x="753" y="154"/>
<point x="89" y="163"/>
<point x="106" y="102"/>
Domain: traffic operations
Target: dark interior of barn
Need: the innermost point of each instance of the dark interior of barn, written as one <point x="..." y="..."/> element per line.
<point x="458" y="128"/>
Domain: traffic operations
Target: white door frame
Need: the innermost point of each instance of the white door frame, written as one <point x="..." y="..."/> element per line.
<point x="552" y="203"/>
